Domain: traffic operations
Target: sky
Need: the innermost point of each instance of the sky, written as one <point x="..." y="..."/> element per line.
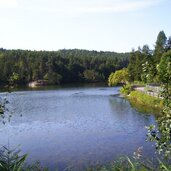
<point x="102" y="25"/>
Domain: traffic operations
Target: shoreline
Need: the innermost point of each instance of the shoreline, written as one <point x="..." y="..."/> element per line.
<point x="145" y="102"/>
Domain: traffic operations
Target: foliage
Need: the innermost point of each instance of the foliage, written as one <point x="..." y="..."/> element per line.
<point x="147" y="75"/>
<point x="139" y="59"/>
<point x="145" y="99"/>
<point x="162" y="134"/>
<point x="10" y="160"/>
<point x="164" y="68"/>
<point x="143" y="62"/>
<point x="133" y="164"/>
<point x="118" y="77"/>
<point x="160" y="46"/>
<point x="126" y="89"/>
<point x="53" y="78"/>
<point x="63" y="66"/>
<point x="13" y="79"/>
<point x="156" y="68"/>
<point x="92" y="76"/>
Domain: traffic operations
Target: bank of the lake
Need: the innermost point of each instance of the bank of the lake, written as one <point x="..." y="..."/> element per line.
<point x="145" y="102"/>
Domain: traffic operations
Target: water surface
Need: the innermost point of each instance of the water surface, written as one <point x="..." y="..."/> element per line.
<point x="74" y="127"/>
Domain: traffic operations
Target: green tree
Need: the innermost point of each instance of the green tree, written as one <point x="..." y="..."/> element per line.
<point x="162" y="135"/>
<point x="131" y="66"/>
<point x="70" y="64"/>
<point x="14" y="79"/>
<point x="138" y="65"/>
<point x="53" y="78"/>
<point x="91" y="75"/>
<point x="147" y="74"/>
<point x="160" y="46"/>
<point x="118" y="77"/>
<point x="164" y="68"/>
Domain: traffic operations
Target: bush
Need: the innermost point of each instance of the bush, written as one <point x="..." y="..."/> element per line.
<point x="118" y="77"/>
<point x="126" y="89"/>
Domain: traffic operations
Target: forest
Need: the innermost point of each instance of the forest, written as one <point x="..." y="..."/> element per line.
<point x="20" y="67"/>
<point x="144" y="62"/>
<point x="146" y="66"/>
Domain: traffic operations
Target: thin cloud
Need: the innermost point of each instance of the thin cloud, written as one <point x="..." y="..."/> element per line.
<point x="8" y="3"/>
<point x="93" y="6"/>
<point x="121" y="7"/>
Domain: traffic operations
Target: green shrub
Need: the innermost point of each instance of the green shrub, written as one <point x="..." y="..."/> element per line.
<point x="126" y="89"/>
<point x="118" y="77"/>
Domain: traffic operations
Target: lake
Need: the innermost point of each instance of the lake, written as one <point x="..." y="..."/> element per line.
<point x="74" y="126"/>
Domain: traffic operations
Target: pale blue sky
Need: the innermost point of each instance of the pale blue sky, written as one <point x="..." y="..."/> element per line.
<point x="108" y="25"/>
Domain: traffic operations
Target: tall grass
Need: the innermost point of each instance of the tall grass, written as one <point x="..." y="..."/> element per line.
<point x="10" y="160"/>
<point x="130" y="164"/>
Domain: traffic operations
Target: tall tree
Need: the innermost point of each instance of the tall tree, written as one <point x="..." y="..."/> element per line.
<point x="160" y="46"/>
<point x="131" y="66"/>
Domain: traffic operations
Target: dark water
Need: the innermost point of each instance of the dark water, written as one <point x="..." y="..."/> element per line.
<point x="74" y="127"/>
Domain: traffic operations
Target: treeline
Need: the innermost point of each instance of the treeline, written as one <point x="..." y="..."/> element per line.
<point x="58" y="67"/>
<point x="144" y="62"/>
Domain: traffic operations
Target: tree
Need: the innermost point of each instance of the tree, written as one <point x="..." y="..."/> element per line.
<point x="147" y="65"/>
<point x="137" y="59"/>
<point x="91" y="75"/>
<point x="131" y="66"/>
<point x="14" y="79"/>
<point x="53" y="78"/>
<point x="164" y="68"/>
<point x="138" y="65"/>
<point x="162" y="135"/>
<point x="118" y="77"/>
<point x="160" y="46"/>
<point x="70" y="64"/>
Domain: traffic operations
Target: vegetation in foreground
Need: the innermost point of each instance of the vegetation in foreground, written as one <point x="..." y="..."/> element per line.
<point x="11" y="160"/>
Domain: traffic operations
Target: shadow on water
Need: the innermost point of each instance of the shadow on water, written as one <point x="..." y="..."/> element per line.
<point x="54" y="87"/>
<point x="125" y="108"/>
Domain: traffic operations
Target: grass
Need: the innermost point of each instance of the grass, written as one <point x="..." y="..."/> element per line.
<point x="132" y="164"/>
<point x="11" y="160"/>
<point x="146" y="100"/>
